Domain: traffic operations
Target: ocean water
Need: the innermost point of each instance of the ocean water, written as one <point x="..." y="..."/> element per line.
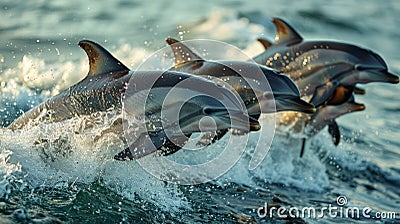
<point x="57" y="173"/>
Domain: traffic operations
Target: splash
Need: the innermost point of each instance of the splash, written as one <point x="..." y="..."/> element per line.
<point x="10" y="174"/>
<point x="55" y="155"/>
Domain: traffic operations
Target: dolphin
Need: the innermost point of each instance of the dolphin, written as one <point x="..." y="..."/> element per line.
<point x="326" y="115"/>
<point x="101" y="89"/>
<point x="313" y="64"/>
<point x="326" y="72"/>
<point x="258" y="98"/>
<point x="106" y="86"/>
<point x="184" y="100"/>
<point x="284" y="91"/>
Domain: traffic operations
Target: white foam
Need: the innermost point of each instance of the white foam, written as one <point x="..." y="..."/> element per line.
<point x="282" y="165"/>
<point x="10" y="174"/>
<point x="35" y="73"/>
<point x="225" y="25"/>
<point x="67" y="152"/>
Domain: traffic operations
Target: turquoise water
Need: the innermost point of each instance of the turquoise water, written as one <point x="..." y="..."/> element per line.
<point x="71" y="179"/>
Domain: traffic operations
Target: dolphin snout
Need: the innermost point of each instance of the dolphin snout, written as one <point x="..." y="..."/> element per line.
<point x="290" y="103"/>
<point x="387" y="76"/>
<point x="233" y="118"/>
<point x="241" y="121"/>
<point x="238" y="120"/>
<point x="352" y="107"/>
<point x="393" y="78"/>
<point x="371" y="74"/>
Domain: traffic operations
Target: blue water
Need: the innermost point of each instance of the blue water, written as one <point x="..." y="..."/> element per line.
<point x="71" y="179"/>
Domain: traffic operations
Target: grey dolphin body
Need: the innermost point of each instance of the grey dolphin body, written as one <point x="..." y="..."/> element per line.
<point x="106" y="86"/>
<point x="252" y="87"/>
<point x="319" y="67"/>
<point x="179" y="101"/>
<point x="100" y="90"/>
<point x="284" y="91"/>
<point x="326" y="115"/>
<point x="325" y="71"/>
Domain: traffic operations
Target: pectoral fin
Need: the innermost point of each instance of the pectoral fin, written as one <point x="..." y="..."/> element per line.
<point x="146" y="144"/>
<point x="323" y="93"/>
<point x="174" y="144"/>
<point x="153" y="142"/>
<point x="333" y="129"/>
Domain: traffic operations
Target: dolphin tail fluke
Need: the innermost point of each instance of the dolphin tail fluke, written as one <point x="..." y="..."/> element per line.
<point x="333" y="129"/>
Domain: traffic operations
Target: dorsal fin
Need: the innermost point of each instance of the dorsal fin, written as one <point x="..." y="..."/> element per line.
<point x="182" y="53"/>
<point x="266" y="43"/>
<point x="100" y="60"/>
<point x="286" y="34"/>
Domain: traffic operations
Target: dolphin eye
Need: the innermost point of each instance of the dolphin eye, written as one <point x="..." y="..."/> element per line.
<point x="207" y="110"/>
<point x="214" y="111"/>
<point x="361" y="67"/>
